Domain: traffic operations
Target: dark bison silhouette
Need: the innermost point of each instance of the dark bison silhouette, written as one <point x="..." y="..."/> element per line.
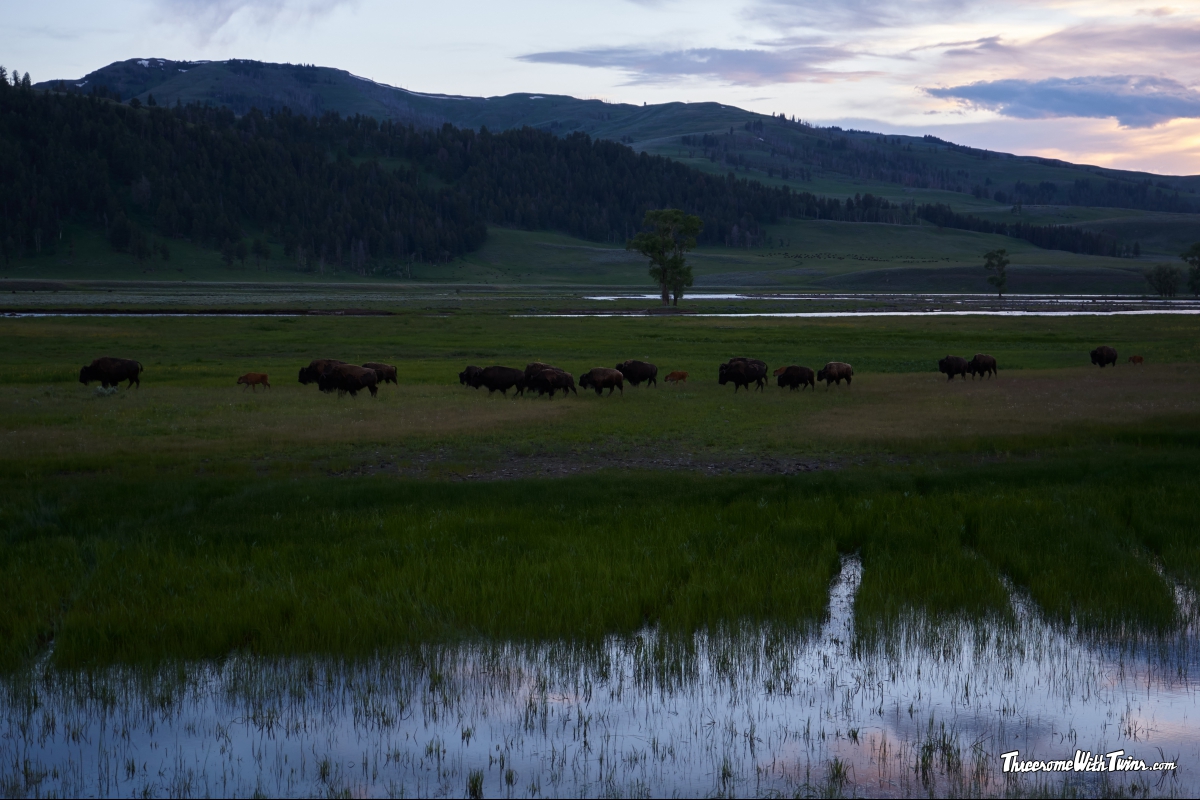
<point x="982" y="364"/>
<point x="385" y="372"/>
<point x="1104" y="355"/>
<point x="636" y="372"/>
<point x="349" y="378"/>
<point x="316" y="368"/>
<point x="552" y="380"/>
<point x="111" y="371"/>
<point x="795" y="377"/>
<point x="953" y="366"/>
<point x="602" y="378"/>
<point x="835" y="371"/>
<point x="500" y="379"/>
<point x="742" y="372"/>
<point x="469" y="377"/>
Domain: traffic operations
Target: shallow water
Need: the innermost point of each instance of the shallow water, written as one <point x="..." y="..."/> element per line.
<point x="921" y="710"/>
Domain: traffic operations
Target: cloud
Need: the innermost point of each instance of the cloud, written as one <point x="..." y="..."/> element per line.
<point x="209" y="16"/>
<point x="856" y="15"/>
<point x="743" y="67"/>
<point x="1136" y="101"/>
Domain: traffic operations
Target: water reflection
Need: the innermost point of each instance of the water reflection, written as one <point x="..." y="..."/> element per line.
<point x="922" y="709"/>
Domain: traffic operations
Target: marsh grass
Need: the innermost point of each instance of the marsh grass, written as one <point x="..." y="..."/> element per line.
<point x="142" y="568"/>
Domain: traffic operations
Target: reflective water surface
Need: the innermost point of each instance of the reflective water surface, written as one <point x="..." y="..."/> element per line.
<point x="923" y="709"/>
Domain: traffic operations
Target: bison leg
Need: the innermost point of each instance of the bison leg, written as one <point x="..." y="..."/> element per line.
<point x="373" y="389"/>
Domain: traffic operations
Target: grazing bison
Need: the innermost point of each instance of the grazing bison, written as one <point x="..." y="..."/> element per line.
<point x="677" y="377"/>
<point x="952" y="366"/>
<point x="835" y="371"/>
<point x="1104" y="355"/>
<point x="1136" y="360"/>
<point x="385" y="372"/>
<point x="349" y="378"/>
<point x="796" y="377"/>
<point x="470" y="377"/>
<point x="253" y="379"/>
<point x="982" y="364"/>
<point x="602" y="378"/>
<point x="111" y="371"/>
<point x="635" y="372"/>
<point x="500" y="379"/>
<point x="742" y="372"/>
<point x="316" y="368"/>
<point x="552" y="380"/>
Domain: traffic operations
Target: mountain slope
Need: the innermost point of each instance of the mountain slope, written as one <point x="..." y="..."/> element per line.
<point x="714" y="137"/>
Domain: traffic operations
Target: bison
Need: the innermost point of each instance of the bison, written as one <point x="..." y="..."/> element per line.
<point x="835" y="371"/>
<point x="602" y="378"/>
<point x="635" y="372"/>
<point x="349" y="378"/>
<point x="385" y="372"/>
<point x="111" y="371"/>
<point x="1104" y="355"/>
<point x="470" y="377"/>
<point x="796" y="377"/>
<point x="253" y="379"/>
<point x="742" y="372"/>
<point x="952" y="366"/>
<point x="500" y="379"/>
<point x="1136" y="360"/>
<point x="982" y="364"/>
<point x="677" y="377"/>
<point x="316" y="368"/>
<point x="552" y="380"/>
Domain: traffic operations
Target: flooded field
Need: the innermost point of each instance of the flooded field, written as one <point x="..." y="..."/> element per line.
<point x="919" y="709"/>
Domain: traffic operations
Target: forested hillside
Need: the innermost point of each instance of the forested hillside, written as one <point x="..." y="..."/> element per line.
<point x="718" y="138"/>
<point x="358" y="193"/>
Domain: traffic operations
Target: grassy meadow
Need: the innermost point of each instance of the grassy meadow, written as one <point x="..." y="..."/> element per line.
<point x="192" y="518"/>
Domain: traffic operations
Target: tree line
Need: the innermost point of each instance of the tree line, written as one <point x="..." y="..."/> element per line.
<point x="352" y="192"/>
<point x="1051" y="237"/>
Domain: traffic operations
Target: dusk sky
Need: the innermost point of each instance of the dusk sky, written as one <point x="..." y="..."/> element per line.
<point x="1100" y="82"/>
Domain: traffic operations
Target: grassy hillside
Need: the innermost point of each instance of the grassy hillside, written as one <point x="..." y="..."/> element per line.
<point x="816" y="255"/>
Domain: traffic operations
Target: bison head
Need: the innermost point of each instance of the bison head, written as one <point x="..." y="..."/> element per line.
<point x="585" y="380"/>
<point x="942" y="364"/>
<point x="307" y="375"/>
<point x="1096" y="357"/>
<point x="87" y="375"/>
<point x="821" y="374"/>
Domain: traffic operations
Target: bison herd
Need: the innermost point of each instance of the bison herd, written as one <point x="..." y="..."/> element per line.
<point x="546" y="379"/>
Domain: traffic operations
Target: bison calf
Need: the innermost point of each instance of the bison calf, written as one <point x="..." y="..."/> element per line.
<point x="677" y="377"/>
<point x="1104" y="355"/>
<point x="952" y="366"/>
<point x="253" y="380"/>
<point x="111" y="371"/>
<point x="1136" y="360"/>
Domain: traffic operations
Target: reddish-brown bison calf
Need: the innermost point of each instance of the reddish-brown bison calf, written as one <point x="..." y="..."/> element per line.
<point x="677" y="377"/>
<point x="1136" y="360"/>
<point x="253" y="379"/>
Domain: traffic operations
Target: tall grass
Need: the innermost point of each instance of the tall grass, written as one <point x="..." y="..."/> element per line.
<point x="113" y="568"/>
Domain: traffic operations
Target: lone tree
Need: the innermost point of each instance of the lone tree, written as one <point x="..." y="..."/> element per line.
<point x="1165" y="279"/>
<point x="997" y="262"/>
<point x="671" y="234"/>
<point x="1192" y="257"/>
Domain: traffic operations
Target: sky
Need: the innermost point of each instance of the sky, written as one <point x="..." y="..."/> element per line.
<point x="1105" y="82"/>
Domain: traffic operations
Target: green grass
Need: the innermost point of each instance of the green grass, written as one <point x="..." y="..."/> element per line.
<point x="189" y="518"/>
<point x="142" y="568"/>
<point x="811" y="255"/>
